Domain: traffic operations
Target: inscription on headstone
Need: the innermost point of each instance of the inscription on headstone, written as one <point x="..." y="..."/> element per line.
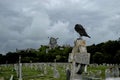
<point x="83" y="58"/>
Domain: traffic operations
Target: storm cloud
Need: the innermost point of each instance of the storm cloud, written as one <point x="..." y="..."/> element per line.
<point x="29" y="23"/>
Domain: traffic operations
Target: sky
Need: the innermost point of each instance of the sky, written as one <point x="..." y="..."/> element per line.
<point x="28" y="23"/>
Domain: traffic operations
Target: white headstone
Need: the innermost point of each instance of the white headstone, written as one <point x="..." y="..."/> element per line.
<point x="45" y="70"/>
<point x="11" y="78"/>
<point x="85" y="69"/>
<point x="83" y="58"/>
<point x="20" y="68"/>
<point x="20" y="71"/>
<point x="56" y="73"/>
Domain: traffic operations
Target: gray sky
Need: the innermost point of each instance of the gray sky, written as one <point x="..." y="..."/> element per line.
<point x="29" y="23"/>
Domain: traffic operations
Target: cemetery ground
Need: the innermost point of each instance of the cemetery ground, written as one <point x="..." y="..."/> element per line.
<point x="46" y="71"/>
<point x="33" y="71"/>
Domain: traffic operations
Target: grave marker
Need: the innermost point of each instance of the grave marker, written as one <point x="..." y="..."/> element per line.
<point x="79" y="58"/>
<point x="20" y="68"/>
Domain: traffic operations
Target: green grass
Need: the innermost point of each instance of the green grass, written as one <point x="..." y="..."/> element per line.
<point x="97" y="69"/>
<point x="32" y="74"/>
<point x="7" y="71"/>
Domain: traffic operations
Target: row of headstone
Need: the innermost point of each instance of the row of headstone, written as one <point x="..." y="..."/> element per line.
<point x="112" y="72"/>
<point x="55" y="71"/>
<point x="107" y="65"/>
<point x="42" y="67"/>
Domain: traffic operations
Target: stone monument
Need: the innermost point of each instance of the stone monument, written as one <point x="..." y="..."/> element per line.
<point x="53" y="43"/>
<point x="20" y="69"/>
<point x="79" y="58"/>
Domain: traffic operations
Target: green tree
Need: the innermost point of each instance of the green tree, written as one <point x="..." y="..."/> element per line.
<point x="117" y="57"/>
<point x="12" y="57"/>
<point x="98" y="57"/>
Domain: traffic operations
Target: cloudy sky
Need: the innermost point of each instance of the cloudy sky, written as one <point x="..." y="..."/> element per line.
<point x="29" y="23"/>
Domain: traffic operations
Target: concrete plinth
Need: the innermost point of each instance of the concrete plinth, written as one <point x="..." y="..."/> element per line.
<point x="78" y="58"/>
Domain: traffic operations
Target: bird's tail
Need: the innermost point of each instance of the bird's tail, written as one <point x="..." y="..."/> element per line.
<point x="88" y="36"/>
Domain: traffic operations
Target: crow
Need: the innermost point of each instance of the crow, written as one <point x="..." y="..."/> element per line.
<point x="79" y="29"/>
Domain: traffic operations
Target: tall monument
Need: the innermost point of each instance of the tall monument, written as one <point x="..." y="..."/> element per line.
<point x="53" y="42"/>
<point x="79" y="57"/>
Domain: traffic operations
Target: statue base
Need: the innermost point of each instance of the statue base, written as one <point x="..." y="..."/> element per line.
<point x="79" y="59"/>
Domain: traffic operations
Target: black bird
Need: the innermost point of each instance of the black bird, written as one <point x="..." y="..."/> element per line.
<point x="79" y="29"/>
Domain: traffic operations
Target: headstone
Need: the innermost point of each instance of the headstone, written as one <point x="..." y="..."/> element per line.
<point x="79" y="58"/>
<point x="31" y="65"/>
<point x="45" y="70"/>
<point x="83" y="58"/>
<point x="56" y="73"/>
<point x="41" y="67"/>
<point x="112" y="79"/>
<point x="116" y="71"/>
<point x="16" y="68"/>
<point x="20" y="68"/>
<point x="68" y="73"/>
<point x="85" y="70"/>
<point x="112" y="72"/>
<point x="107" y="73"/>
<point x="47" y="50"/>
<point x="11" y="78"/>
<point x="35" y="67"/>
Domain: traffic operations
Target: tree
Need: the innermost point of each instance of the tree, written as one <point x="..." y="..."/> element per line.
<point x="98" y="57"/>
<point x="117" y="57"/>
<point x="12" y="57"/>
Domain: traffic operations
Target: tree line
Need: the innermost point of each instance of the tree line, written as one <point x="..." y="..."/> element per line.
<point x="105" y="52"/>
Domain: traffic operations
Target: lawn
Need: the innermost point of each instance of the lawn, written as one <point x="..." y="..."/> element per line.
<point x="46" y="71"/>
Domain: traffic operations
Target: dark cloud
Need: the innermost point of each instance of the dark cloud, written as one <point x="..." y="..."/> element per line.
<point x="29" y="23"/>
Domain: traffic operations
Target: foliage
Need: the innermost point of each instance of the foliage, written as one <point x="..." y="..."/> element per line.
<point x="98" y="57"/>
<point x="106" y="52"/>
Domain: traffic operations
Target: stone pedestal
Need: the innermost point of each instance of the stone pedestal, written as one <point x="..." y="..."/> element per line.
<point x="79" y="58"/>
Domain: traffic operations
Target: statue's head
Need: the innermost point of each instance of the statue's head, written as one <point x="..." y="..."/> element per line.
<point x="53" y="41"/>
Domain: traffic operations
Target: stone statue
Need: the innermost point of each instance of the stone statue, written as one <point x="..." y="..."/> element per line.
<point x="79" y="56"/>
<point x="53" y="42"/>
<point x="79" y="29"/>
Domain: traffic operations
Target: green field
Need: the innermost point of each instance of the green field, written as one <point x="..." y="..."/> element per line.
<point x="38" y="73"/>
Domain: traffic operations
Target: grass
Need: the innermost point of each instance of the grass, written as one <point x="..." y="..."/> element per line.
<point x="98" y="69"/>
<point x="29" y="73"/>
<point x="6" y="71"/>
